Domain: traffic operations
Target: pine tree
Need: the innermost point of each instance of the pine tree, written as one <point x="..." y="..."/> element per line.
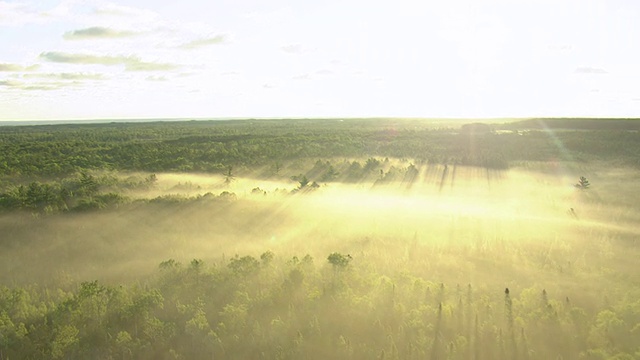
<point x="229" y="177"/>
<point x="583" y="183"/>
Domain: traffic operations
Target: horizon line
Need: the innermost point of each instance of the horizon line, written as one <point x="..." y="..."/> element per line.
<point x="231" y="118"/>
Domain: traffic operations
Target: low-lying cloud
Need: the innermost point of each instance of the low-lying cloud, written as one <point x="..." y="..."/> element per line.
<point x="17" y="68"/>
<point x="131" y="63"/>
<point x="590" y="70"/>
<point x="198" y="43"/>
<point x="97" y="32"/>
<point x="41" y="86"/>
<point x="156" y="78"/>
<point x="65" y="76"/>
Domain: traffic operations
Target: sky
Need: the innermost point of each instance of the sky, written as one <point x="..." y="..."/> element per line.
<point x="94" y="59"/>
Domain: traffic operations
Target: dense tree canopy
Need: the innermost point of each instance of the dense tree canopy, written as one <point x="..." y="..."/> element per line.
<point x="213" y="146"/>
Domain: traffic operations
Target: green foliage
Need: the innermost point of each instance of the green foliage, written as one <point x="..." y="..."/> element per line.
<point x="339" y="260"/>
<point x="63" y="342"/>
<point x="227" y="196"/>
<point x="76" y="193"/>
<point x="583" y="183"/>
<point x="169" y="264"/>
<point x="244" y="266"/>
<point x="267" y="257"/>
<point x="304" y="184"/>
<point x="212" y="146"/>
<point x="199" y="312"/>
<point x="302" y="181"/>
<point x="330" y="174"/>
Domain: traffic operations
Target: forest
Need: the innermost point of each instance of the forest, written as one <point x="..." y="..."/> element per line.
<point x="321" y="239"/>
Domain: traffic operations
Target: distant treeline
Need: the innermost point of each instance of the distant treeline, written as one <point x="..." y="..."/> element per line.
<point x="213" y="146"/>
<point x="575" y="124"/>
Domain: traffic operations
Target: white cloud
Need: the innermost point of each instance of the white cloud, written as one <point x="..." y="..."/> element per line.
<point x="292" y="48"/>
<point x="156" y="78"/>
<point x="207" y="41"/>
<point x="116" y="10"/>
<point x="131" y="63"/>
<point x="17" y="14"/>
<point x="270" y="17"/>
<point x="301" y="77"/>
<point x="97" y="32"/>
<point x="324" y="72"/>
<point x="65" y="76"/>
<point x="17" y="68"/>
<point x="38" y="85"/>
<point x="590" y="70"/>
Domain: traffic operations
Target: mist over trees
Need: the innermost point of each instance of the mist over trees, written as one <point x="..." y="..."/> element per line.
<point x="319" y="239"/>
<point x="270" y="307"/>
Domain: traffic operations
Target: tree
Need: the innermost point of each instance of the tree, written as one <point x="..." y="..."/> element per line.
<point x="124" y="343"/>
<point x="338" y="260"/>
<point x="244" y="266"/>
<point x="66" y="337"/>
<point x="583" y="183"/>
<point x="303" y="182"/>
<point x="267" y="257"/>
<point x="330" y="174"/>
<point x="151" y="180"/>
<point x="228" y="177"/>
<point x="37" y="195"/>
<point x="88" y="185"/>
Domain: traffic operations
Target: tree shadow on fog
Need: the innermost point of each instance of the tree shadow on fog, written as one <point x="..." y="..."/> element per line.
<point x="443" y="178"/>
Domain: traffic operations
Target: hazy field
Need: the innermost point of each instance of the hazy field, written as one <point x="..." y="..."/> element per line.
<point x="440" y="207"/>
<point x="471" y="210"/>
